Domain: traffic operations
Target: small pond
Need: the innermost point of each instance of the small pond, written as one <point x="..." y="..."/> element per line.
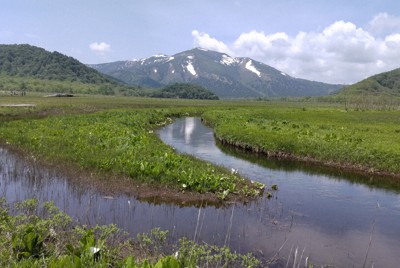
<point x="337" y="219"/>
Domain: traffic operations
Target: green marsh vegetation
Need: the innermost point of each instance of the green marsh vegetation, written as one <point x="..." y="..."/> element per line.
<point x="123" y="142"/>
<point x="115" y="135"/>
<point x="367" y="140"/>
<point x="120" y="133"/>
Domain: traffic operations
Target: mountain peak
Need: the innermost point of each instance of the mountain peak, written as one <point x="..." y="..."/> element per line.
<point x="200" y="48"/>
<point x="224" y="75"/>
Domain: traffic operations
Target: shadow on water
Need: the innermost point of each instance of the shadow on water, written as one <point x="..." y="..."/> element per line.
<point x="373" y="181"/>
<point x="329" y="216"/>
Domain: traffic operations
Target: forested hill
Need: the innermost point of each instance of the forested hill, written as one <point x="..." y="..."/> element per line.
<point x="31" y="61"/>
<point x="386" y="84"/>
<point x="184" y="91"/>
<point x="26" y="68"/>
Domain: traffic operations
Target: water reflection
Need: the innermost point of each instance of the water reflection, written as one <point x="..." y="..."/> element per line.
<point x="187" y="129"/>
<point x="371" y="180"/>
<point x="330" y="213"/>
<point x="331" y="217"/>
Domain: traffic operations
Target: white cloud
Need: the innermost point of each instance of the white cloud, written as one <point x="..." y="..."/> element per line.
<point x="384" y="24"/>
<point x="101" y="47"/>
<point x="258" y="44"/>
<point x="341" y="53"/>
<point x="205" y="41"/>
<point x="347" y="43"/>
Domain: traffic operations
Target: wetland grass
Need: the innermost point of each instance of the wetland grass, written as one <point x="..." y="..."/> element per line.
<point x="116" y="136"/>
<point x="361" y="140"/>
<point x="122" y="142"/>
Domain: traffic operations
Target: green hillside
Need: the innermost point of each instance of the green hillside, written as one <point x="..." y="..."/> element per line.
<point x="383" y="84"/>
<point x="30" y="68"/>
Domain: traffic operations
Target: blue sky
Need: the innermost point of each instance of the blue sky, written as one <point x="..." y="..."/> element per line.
<point x="337" y="41"/>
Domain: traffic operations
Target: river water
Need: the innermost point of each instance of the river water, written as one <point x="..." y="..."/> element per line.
<point x="333" y="219"/>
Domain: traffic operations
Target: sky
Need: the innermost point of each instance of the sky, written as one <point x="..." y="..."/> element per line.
<point x="335" y="41"/>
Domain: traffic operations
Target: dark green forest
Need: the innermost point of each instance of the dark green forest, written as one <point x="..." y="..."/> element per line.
<point x="184" y="91"/>
<point x="30" y="61"/>
<point x="33" y="69"/>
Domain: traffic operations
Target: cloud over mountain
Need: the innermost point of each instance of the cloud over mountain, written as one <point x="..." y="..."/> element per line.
<point x="334" y="54"/>
<point x="206" y="41"/>
<point x="101" y="47"/>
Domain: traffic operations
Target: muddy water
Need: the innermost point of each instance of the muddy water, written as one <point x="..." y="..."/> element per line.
<point x="332" y="217"/>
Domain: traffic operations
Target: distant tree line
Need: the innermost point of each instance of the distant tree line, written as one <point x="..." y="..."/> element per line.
<point x="29" y="84"/>
<point x="184" y="91"/>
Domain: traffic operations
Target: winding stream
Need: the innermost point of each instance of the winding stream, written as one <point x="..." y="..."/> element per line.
<point x="332" y="217"/>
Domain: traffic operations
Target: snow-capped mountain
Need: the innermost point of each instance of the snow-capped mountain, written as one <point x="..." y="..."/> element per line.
<point x="226" y="76"/>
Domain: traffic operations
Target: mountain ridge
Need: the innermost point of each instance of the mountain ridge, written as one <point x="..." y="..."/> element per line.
<point x="226" y="76"/>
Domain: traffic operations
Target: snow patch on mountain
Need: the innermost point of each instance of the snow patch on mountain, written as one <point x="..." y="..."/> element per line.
<point x="130" y="63"/>
<point x="191" y="69"/>
<point x="227" y="60"/>
<point x="159" y="58"/>
<point x="251" y="68"/>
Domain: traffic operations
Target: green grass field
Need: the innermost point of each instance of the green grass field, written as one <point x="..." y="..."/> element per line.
<point x="366" y="139"/>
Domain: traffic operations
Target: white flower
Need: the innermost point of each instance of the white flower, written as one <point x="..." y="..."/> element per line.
<point x="52" y="232"/>
<point x="94" y="250"/>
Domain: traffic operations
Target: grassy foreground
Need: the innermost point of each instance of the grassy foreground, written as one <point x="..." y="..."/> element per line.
<point x="42" y="236"/>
